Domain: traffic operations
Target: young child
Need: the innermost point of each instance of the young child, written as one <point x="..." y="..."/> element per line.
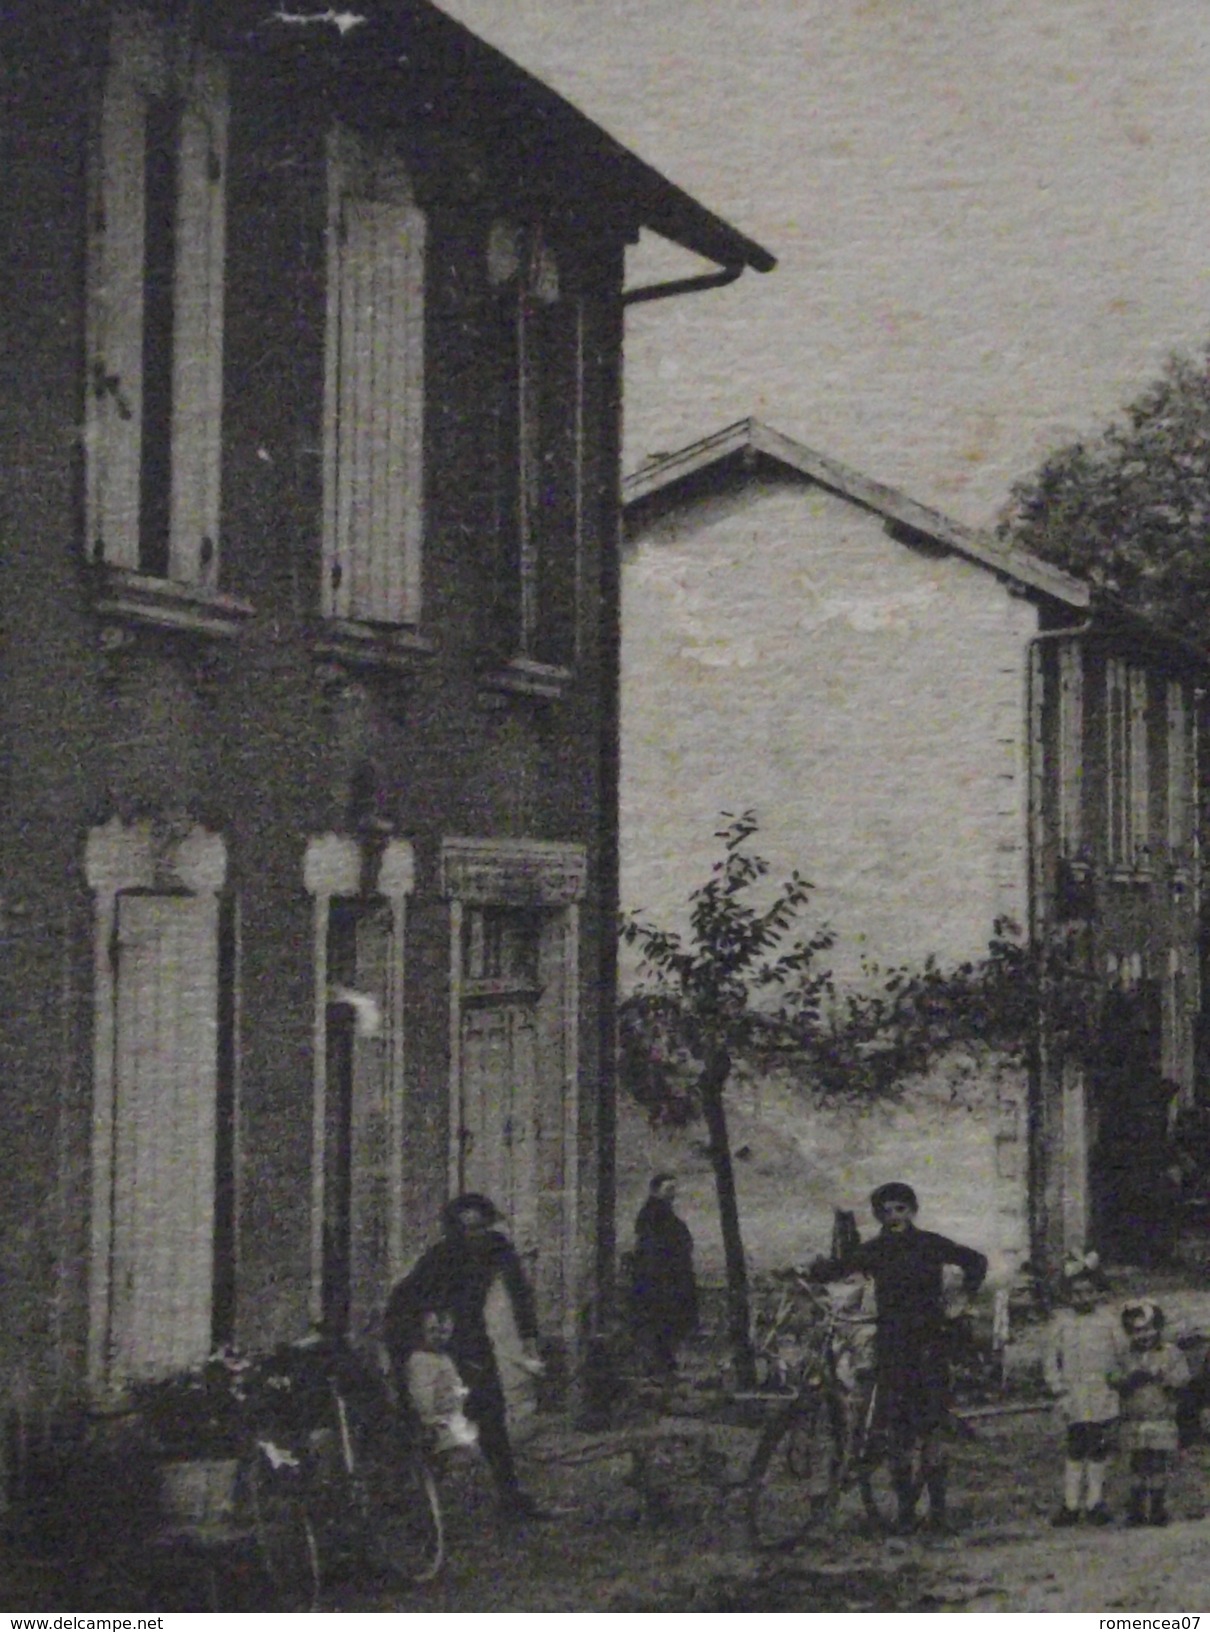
<point x="435" y="1389"/>
<point x="1083" y="1347"/>
<point x="1147" y="1378"/>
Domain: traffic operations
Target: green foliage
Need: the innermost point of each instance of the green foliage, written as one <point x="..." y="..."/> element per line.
<point x="743" y="986"/>
<point x="214" y="1409"/>
<point x="975" y="1015"/>
<point x="1129" y="510"/>
<point x="739" y="985"/>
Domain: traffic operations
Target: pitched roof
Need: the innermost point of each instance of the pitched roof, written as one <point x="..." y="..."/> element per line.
<point x="466" y="83"/>
<point x="660" y="477"/>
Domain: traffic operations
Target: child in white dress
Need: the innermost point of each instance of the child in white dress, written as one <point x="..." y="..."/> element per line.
<point x="437" y="1392"/>
<point x="1083" y="1346"/>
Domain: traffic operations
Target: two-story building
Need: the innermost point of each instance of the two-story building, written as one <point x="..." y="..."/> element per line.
<point x="941" y="732"/>
<point x="310" y="388"/>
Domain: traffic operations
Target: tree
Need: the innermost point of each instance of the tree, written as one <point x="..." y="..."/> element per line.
<point x="738" y="986"/>
<point x="743" y="987"/>
<point x="1129" y="510"/>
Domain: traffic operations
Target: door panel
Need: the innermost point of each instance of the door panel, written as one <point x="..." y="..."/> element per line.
<point x="162" y="1242"/>
<point x="499" y="1134"/>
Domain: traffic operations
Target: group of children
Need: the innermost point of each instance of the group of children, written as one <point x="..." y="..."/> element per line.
<point x="1108" y="1368"/>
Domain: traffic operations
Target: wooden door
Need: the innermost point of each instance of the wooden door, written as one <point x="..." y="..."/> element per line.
<point x="165" y="1096"/>
<point x="499" y="1135"/>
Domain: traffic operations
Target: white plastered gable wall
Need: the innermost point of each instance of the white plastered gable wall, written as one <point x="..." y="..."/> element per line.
<point x="868" y="699"/>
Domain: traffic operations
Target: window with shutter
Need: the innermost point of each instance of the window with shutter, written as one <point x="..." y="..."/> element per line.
<point x="374" y="454"/>
<point x="1180" y="774"/>
<point x="536" y="453"/>
<point x="155" y="309"/>
<point x="1071" y="749"/>
<point x="1140" y="770"/>
<point x="1127" y="766"/>
<point x="358" y="1244"/>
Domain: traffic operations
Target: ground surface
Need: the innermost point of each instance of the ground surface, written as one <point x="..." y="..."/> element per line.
<point x="603" y="1553"/>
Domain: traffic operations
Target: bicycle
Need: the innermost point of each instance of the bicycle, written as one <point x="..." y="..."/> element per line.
<point x="349" y="1481"/>
<point x="780" y="1332"/>
<point x="826" y="1443"/>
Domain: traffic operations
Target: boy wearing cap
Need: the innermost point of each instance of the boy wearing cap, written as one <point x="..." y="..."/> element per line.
<point x="911" y="1366"/>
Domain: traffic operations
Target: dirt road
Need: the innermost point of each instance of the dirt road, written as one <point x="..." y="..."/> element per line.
<point x="603" y="1552"/>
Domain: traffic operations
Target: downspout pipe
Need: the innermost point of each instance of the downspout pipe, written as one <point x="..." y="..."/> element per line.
<point x="1038" y="1245"/>
<point x="683" y="286"/>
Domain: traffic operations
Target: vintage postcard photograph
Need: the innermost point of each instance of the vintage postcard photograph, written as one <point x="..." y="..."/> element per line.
<point x="604" y="672"/>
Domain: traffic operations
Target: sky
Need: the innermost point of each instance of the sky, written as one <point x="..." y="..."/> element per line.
<point x="992" y="217"/>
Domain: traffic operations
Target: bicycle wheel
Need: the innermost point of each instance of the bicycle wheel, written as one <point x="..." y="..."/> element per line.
<point x="794" y="1474"/>
<point x="404" y="1535"/>
<point x="285" y="1535"/>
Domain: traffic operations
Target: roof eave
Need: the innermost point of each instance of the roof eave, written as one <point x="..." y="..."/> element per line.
<point x="509" y="104"/>
<point x="752" y="435"/>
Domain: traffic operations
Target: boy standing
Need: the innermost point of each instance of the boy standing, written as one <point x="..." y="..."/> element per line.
<point x="911" y="1364"/>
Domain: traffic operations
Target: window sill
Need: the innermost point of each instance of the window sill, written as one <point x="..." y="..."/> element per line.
<point x="523" y="677"/>
<point x="1130" y="875"/>
<point x="521" y="990"/>
<point x="135" y="599"/>
<point x="367" y="646"/>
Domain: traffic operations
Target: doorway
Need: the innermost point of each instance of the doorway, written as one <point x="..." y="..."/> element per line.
<point x="501" y="1129"/>
<point x="515" y="1115"/>
<point x="1130" y="1104"/>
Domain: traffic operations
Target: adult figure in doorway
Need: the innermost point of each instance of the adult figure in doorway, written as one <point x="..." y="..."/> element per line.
<point x="472" y="1262"/>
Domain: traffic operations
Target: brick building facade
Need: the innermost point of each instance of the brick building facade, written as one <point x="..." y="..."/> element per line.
<point x="310" y="417"/>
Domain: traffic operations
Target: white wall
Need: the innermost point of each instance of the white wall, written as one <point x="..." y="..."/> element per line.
<point x="781" y="651"/>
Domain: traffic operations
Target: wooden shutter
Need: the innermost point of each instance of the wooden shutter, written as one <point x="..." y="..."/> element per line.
<point x="117" y="355"/>
<point x="162" y="1245"/>
<point x="553" y="388"/>
<point x="1117" y="763"/>
<point x="1140" y="770"/>
<point x="376" y="415"/>
<point x="1180" y="779"/>
<point x="115" y="294"/>
<point x="1071" y="748"/>
<point x="197" y="375"/>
